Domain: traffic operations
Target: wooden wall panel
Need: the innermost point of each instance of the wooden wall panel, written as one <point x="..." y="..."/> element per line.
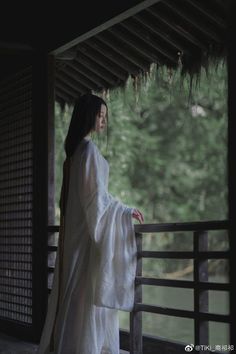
<point x="16" y="179"/>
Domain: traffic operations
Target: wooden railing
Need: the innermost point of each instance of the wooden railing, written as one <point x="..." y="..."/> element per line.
<point x="199" y="284"/>
<point x="139" y="344"/>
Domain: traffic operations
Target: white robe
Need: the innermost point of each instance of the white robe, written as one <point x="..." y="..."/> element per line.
<point x="99" y="262"/>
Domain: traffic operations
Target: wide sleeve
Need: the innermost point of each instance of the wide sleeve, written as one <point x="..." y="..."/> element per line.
<point x="113" y="251"/>
<point x="93" y="194"/>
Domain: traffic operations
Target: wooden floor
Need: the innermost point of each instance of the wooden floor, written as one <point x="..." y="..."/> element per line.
<point x="10" y="345"/>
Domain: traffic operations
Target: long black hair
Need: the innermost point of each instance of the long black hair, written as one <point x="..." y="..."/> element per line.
<point x="83" y="120"/>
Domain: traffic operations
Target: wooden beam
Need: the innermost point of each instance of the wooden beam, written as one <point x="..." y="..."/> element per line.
<point x="203" y="11"/>
<point x="145" y="26"/>
<point x="85" y="73"/>
<point x="168" y="22"/>
<point x="186" y="226"/>
<point x="51" y="140"/>
<point x="40" y="190"/>
<point x="124" y="15"/>
<point x="67" y="89"/>
<point x="76" y="86"/>
<point x="201" y="298"/>
<point x="141" y="51"/>
<point x="75" y="78"/>
<point x="192" y="21"/>
<point x="96" y="67"/>
<point x="147" y="47"/>
<point x="182" y="313"/>
<point x="101" y="45"/>
<point x="126" y="54"/>
<point x="103" y="61"/>
<point x="62" y="96"/>
<point x="136" y="343"/>
<point x="232" y="166"/>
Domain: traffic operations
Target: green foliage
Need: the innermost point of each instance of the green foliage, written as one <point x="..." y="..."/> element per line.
<point x="166" y="146"/>
<point x="168" y="153"/>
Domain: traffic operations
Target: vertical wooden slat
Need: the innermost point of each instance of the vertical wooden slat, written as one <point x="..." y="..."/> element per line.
<point x="201" y="328"/>
<point x="51" y="140"/>
<point x="136" y="341"/>
<point x="232" y="166"/>
<point x="41" y="112"/>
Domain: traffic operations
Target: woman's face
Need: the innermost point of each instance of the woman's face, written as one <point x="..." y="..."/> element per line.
<point x="101" y="119"/>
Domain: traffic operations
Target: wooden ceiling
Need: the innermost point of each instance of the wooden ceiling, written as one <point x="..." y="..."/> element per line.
<point x="99" y="47"/>
<point x="185" y="32"/>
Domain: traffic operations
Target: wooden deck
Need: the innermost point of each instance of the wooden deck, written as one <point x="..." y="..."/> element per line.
<point x="11" y="345"/>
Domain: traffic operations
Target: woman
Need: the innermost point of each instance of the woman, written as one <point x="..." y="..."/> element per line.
<point x="96" y="258"/>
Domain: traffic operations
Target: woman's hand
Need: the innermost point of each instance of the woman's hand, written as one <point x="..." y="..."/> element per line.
<point x="136" y="214"/>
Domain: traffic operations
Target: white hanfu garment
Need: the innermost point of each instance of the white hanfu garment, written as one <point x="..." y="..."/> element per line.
<point x="99" y="262"/>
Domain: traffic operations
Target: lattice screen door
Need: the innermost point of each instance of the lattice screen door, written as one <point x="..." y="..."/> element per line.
<point x="23" y="252"/>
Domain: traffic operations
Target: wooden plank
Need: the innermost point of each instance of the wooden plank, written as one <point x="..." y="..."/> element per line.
<point x="231" y="166"/>
<point x="188" y="284"/>
<point x="182" y="313"/>
<point x="86" y="72"/>
<point x="201" y="328"/>
<point x="51" y="140"/>
<point x="203" y="11"/>
<point x="98" y="60"/>
<point x="75" y="77"/>
<point x="193" y="21"/>
<point x="53" y="228"/>
<point x="64" y="87"/>
<point x="63" y="96"/>
<point x="127" y="50"/>
<point x="75" y="83"/>
<point x="184" y="255"/>
<point x="124" y="62"/>
<point x="168" y="23"/>
<point x="187" y="226"/>
<point x="146" y="25"/>
<point x="148" y="48"/>
<point x="136" y="343"/>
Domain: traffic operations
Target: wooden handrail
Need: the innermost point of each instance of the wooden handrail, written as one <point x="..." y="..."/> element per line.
<point x="161" y="227"/>
<point x="186" y="226"/>
<point x="184" y="254"/>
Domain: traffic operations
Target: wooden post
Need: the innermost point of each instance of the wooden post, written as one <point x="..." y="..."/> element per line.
<point x="42" y="104"/>
<point x="232" y="167"/>
<point x="136" y="341"/>
<point x="51" y="140"/>
<point x="201" y="328"/>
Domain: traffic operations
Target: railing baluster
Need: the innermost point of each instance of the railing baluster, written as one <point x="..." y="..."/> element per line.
<point x="201" y="328"/>
<point x="136" y="340"/>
